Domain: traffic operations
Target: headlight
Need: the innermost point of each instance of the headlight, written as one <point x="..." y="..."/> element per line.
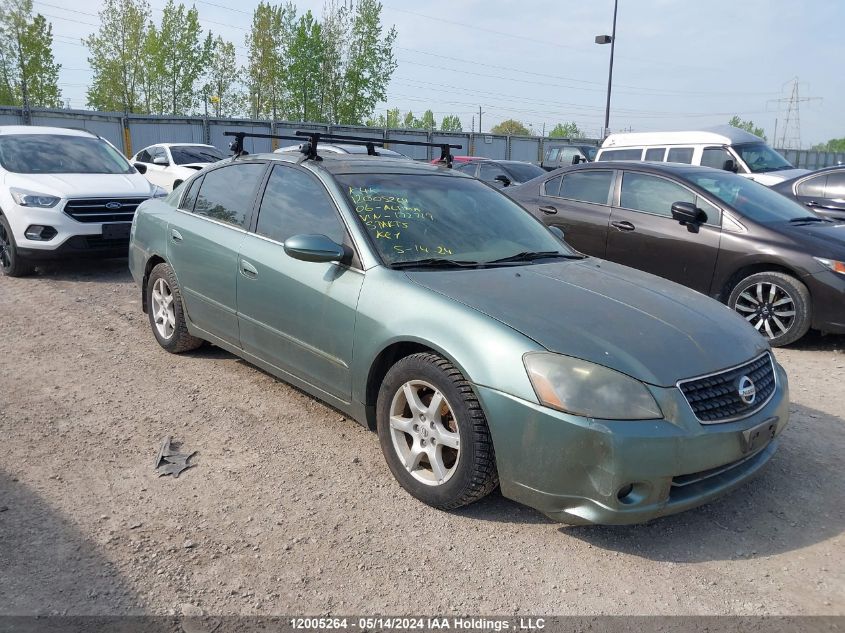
<point x="32" y="199"/>
<point x="589" y="390"/>
<point x="158" y="192"/>
<point x="835" y="266"/>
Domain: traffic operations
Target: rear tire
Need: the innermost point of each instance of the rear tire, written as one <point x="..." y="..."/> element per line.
<point x="775" y="304"/>
<point x="167" y="313"/>
<point x="433" y="433"/>
<point x="11" y="263"/>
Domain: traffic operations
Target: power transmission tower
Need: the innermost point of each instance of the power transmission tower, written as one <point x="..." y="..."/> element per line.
<point x="791" y="135"/>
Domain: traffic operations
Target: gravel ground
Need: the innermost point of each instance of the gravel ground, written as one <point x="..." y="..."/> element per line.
<point x="291" y="509"/>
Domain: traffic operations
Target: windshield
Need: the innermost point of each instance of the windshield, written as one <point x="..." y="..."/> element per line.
<point x="60" y="154"/>
<point x="590" y="151"/>
<point x="186" y="154"/>
<point x="523" y="172"/>
<point x="414" y="217"/>
<point x="761" y="158"/>
<point x="751" y="199"/>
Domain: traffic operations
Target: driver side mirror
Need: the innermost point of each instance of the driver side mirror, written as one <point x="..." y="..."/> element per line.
<point x="314" y="248"/>
<point x="161" y="160"/>
<point x="686" y="213"/>
<point x="141" y="167"/>
<point x="576" y="159"/>
<point x="503" y="179"/>
<point x="730" y="165"/>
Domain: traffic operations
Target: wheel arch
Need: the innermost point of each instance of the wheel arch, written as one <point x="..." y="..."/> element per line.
<point x="153" y="261"/>
<point x="753" y="269"/>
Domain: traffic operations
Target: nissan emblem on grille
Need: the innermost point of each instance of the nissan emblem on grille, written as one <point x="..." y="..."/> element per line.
<point x="746" y="390"/>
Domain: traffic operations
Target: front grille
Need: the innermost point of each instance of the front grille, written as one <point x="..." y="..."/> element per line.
<point x="96" y="209"/>
<point x="716" y="398"/>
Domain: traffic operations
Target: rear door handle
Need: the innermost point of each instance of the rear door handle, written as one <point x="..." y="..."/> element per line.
<point x="549" y="210"/>
<point x="248" y="270"/>
<point x="624" y="225"/>
<point x="175" y="235"/>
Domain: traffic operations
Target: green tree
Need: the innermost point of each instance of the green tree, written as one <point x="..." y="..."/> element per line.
<point x="569" y="129"/>
<point x="451" y="123"/>
<point x="369" y="64"/>
<point x="748" y="126"/>
<point x="510" y="127"/>
<point x="305" y="71"/>
<point x="335" y="27"/>
<point x="27" y="66"/>
<point x="833" y="145"/>
<point x="268" y="42"/>
<point x="115" y="55"/>
<point x="152" y="86"/>
<point x="392" y="118"/>
<point x="427" y="122"/>
<point x="222" y="87"/>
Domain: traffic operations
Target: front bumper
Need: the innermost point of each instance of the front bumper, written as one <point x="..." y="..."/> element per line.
<point x="573" y="469"/>
<point x="827" y="290"/>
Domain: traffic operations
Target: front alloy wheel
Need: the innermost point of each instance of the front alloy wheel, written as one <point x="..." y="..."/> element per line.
<point x="11" y="263"/>
<point x="775" y="304"/>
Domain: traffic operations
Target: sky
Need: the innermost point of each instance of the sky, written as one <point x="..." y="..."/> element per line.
<point x="679" y="64"/>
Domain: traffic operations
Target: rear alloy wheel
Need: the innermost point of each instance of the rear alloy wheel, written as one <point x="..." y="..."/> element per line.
<point x="167" y="315"/>
<point x="433" y="433"/>
<point x="775" y="304"/>
<point x="12" y="264"/>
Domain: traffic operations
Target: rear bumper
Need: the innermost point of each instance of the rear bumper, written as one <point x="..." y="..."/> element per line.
<point x="579" y="470"/>
<point x="827" y="290"/>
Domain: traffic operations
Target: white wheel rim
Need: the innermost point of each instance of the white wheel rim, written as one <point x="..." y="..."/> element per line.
<point x="164" y="315"/>
<point x="424" y="433"/>
<point x="768" y="307"/>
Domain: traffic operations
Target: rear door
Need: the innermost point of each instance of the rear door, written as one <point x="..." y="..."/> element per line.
<point x="203" y="244"/>
<point x="644" y="235"/>
<point x="578" y="203"/>
<point x="298" y="316"/>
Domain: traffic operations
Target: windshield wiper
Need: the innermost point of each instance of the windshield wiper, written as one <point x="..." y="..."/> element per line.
<point x="435" y="262"/>
<point x="808" y="218"/>
<point x="527" y="256"/>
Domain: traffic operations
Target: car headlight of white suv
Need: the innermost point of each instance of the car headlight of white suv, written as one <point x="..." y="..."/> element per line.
<point x="32" y="199"/>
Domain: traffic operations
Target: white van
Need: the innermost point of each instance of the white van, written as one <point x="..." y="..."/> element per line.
<point x="64" y="192"/>
<point x="722" y="147"/>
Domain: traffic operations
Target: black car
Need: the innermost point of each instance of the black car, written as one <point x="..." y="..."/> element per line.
<point x="778" y="264"/>
<point x="501" y="173"/>
<point x="823" y="191"/>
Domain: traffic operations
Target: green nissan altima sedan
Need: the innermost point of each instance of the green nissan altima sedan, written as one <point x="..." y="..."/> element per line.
<point x="484" y="351"/>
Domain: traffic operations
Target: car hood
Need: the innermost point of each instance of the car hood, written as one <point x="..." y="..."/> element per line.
<point x="770" y="178"/>
<point x="82" y="185"/>
<point x="821" y="239"/>
<point x="628" y="320"/>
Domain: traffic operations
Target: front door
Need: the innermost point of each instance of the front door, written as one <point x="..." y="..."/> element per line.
<point x="298" y="316"/>
<point x="203" y="245"/>
<point x="644" y="235"/>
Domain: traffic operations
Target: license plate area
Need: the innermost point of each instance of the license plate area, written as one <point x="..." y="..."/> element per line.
<point x="757" y="437"/>
<point x="116" y="231"/>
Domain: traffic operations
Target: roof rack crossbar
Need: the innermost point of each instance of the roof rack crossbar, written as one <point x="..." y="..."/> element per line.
<point x="445" y="154"/>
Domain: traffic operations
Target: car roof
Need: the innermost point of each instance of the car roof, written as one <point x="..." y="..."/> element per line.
<point x="361" y="163"/>
<point x="182" y="145"/>
<point x="680" y="169"/>
<point x="717" y="135"/>
<point x="43" y="129"/>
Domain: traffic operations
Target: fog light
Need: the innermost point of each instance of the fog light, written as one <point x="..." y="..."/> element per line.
<point x="40" y="233"/>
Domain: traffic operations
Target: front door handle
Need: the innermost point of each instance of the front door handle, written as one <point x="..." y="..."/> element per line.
<point x="624" y="225"/>
<point x="549" y="210"/>
<point x="248" y="270"/>
<point x="175" y="235"/>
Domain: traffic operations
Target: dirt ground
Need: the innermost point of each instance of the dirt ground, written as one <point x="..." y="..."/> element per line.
<point x="291" y="508"/>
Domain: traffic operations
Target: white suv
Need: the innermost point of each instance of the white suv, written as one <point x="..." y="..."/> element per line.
<point x="64" y="192"/>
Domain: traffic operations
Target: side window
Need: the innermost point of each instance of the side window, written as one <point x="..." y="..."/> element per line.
<point x="835" y="189"/>
<point x="144" y="156"/>
<point x="587" y="186"/>
<point x="813" y="187"/>
<point x="714" y="214"/>
<point x="680" y="155"/>
<point x="714" y="157"/>
<point x="567" y="154"/>
<point x="227" y="193"/>
<point x="295" y="203"/>
<point x="190" y="197"/>
<point x="655" y="153"/>
<point x="621" y="154"/>
<point x="488" y="173"/>
<point x="468" y="168"/>
<point x="551" y="156"/>
<point x="552" y="186"/>
<point x="651" y="194"/>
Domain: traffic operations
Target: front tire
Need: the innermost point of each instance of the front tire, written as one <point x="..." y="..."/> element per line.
<point x="433" y="433"/>
<point x="166" y="311"/>
<point x="11" y="263"/>
<point x="775" y="304"/>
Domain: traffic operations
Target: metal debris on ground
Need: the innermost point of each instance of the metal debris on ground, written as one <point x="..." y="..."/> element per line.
<point x="170" y="461"/>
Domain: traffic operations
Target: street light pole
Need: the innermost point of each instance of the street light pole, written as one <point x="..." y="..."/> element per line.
<point x="609" y="39"/>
